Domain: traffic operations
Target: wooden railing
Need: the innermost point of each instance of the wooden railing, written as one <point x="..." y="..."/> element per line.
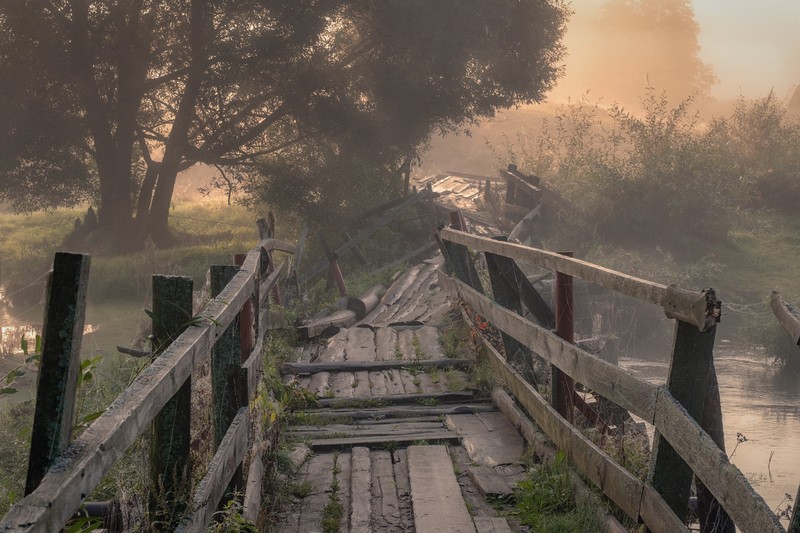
<point x="682" y="447"/>
<point x="160" y="394"/>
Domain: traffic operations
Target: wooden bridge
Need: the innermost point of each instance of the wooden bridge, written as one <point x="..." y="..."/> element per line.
<point x="402" y="432"/>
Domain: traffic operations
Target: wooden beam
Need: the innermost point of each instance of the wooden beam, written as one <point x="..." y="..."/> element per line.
<point x="699" y="308"/>
<point x="60" y="363"/>
<point x="726" y="482"/>
<point x="689" y="373"/>
<point x="212" y="488"/>
<point x="788" y="315"/>
<point x="622" y="487"/>
<point x="377" y="366"/>
<point x="170" y="446"/>
<point x="632" y="393"/>
<point x="90" y="456"/>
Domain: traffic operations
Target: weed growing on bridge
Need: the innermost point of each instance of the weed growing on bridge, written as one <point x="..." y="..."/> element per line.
<point x="545" y="501"/>
<point x="334" y="510"/>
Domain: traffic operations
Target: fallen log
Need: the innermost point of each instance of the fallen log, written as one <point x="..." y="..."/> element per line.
<point x="327" y="325"/>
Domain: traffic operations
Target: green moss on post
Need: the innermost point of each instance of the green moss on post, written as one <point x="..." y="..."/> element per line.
<point x="225" y="371"/>
<point x="64" y="312"/>
<point x="688" y="381"/>
<point x="170" y="469"/>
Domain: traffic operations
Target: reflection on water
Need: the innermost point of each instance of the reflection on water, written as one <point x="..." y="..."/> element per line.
<point x="761" y="403"/>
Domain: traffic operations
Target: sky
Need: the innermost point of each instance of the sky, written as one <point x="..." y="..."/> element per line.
<point x="752" y="45"/>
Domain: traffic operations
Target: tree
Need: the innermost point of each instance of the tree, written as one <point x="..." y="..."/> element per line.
<point x="112" y="99"/>
<point x="627" y="45"/>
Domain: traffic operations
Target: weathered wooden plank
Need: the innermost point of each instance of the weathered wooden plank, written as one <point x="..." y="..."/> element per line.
<point x="689" y="374"/>
<point x="394" y="385"/>
<point x="361" y="387"/>
<point x="375" y="366"/>
<point x="212" y="488"/>
<point x="385" y="504"/>
<point x="405" y="345"/>
<point x="342" y="384"/>
<point x="616" y="482"/>
<point x="435" y="494"/>
<point x="311" y="329"/>
<point x="489" y="439"/>
<point x="635" y="395"/>
<point x="385" y="344"/>
<point x="377" y="384"/>
<point x="90" y="456"/>
<point x="360" y="345"/>
<point x="491" y="524"/>
<point x="726" y="482"/>
<point x="395" y="427"/>
<point x="545" y="450"/>
<point x="334" y="349"/>
<point x="320" y="445"/>
<point x="60" y="361"/>
<point x="318" y="385"/>
<point x="251" y="505"/>
<point x="344" y="465"/>
<point x="428" y="341"/>
<point x="360" y="490"/>
<point x="400" y="465"/>
<point x="170" y="445"/>
<point x="697" y="308"/>
<point x="489" y="483"/>
<point x="385" y="413"/>
<point x="788" y="316"/>
<point x="320" y="476"/>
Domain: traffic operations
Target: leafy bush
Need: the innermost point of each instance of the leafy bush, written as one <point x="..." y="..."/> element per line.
<point x="664" y="178"/>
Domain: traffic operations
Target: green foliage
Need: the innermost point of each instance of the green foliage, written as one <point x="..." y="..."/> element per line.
<point x="230" y="520"/>
<point x="545" y="501"/>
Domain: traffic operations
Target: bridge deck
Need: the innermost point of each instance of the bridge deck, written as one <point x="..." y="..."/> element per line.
<point x="414" y="448"/>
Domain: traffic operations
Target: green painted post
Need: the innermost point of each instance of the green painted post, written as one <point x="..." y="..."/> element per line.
<point x="507" y="295"/>
<point x="169" y="448"/>
<point x="64" y="312"/>
<point x="689" y="374"/>
<point x="225" y="371"/>
<point x="457" y="255"/>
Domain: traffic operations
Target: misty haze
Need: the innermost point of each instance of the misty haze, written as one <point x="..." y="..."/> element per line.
<point x="520" y="265"/>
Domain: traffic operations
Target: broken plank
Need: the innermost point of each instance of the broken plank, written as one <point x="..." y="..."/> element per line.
<point x="489" y="483"/>
<point x="495" y="444"/>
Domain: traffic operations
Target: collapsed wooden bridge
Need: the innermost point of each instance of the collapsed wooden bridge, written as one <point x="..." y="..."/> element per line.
<point x="404" y="434"/>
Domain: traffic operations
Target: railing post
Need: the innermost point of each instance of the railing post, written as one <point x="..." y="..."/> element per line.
<point x="266" y="230"/>
<point x="169" y="448"/>
<point x="226" y="391"/>
<point x="57" y="382"/>
<point x="688" y="382"/>
<point x="562" y="387"/>
<point x="457" y="255"/>
<point x="335" y="272"/>
<point x="507" y="295"/>
<point x="247" y="325"/>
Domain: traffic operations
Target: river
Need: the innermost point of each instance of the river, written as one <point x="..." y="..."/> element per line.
<point x="762" y="404"/>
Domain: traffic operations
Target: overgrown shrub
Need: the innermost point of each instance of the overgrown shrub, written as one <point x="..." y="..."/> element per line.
<point x="664" y="178"/>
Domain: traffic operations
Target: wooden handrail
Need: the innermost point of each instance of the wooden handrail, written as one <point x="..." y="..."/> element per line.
<point x="697" y="308"/>
<point x="88" y="458"/>
<point x="608" y="380"/>
<point x="651" y="403"/>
